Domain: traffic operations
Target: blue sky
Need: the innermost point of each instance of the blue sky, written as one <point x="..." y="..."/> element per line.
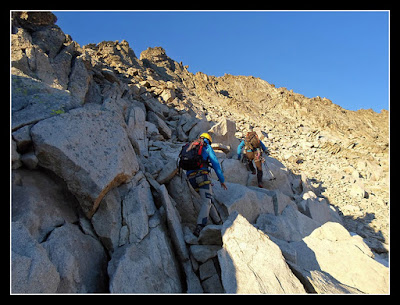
<point x="343" y="56"/>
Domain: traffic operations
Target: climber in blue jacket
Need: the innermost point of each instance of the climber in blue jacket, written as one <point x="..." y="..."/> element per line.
<point x="208" y="154"/>
<point x="199" y="179"/>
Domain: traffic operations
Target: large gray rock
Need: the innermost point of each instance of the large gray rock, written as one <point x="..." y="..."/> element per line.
<point x="188" y="201"/>
<point x="33" y="61"/>
<point x="331" y="249"/>
<point x="31" y="269"/>
<point x="320" y="282"/>
<point x="107" y="220"/>
<point x="200" y="127"/>
<point x="155" y="106"/>
<point x="137" y="130"/>
<point x="34" y="192"/>
<point x="79" y="79"/>
<point x="146" y="267"/>
<point x="291" y="225"/>
<point x="252" y="263"/>
<point x="47" y="210"/>
<point x="168" y="95"/>
<point x="50" y="39"/>
<point x="210" y="235"/>
<point x="89" y="149"/>
<point x="169" y="170"/>
<point x="235" y="171"/>
<point x="163" y="128"/>
<point x="319" y="210"/>
<point x="174" y="224"/>
<point x="34" y="20"/>
<point x="249" y="203"/>
<point x="33" y="100"/>
<point x="202" y="253"/>
<point x="224" y="132"/>
<point x="178" y="240"/>
<point x="79" y="258"/>
<point x="137" y="206"/>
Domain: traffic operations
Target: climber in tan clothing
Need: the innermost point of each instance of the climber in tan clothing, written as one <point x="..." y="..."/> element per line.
<point x="253" y="151"/>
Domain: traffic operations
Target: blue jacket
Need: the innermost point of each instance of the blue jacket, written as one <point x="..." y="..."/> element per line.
<point x="241" y="145"/>
<point x="209" y="154"/>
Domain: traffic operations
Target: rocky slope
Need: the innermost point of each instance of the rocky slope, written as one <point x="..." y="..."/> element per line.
<point x="98" y="204"/>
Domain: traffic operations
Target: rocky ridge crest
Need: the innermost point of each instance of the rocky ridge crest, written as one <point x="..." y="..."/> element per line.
<point x="99" y="206"/>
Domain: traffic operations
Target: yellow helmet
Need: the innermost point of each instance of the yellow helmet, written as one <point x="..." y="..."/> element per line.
<point x="206" y="136"/>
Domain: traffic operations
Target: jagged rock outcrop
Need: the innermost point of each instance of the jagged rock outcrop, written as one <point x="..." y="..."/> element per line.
<point x="69" y="143"/>
<point x="98" y="204"/>
<point x="251" y="262"/>
<point x="349" y="260"/>
<point x="147" y="267"/>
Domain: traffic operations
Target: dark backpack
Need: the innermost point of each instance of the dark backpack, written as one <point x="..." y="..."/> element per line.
<point x="251" y="140"/>
<point x="190" y="156"/>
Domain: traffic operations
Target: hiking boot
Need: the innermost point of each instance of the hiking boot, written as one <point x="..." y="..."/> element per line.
<point x="259" y="178"/>
<point x="260" y="185"/>
<point x="198" y="229"/>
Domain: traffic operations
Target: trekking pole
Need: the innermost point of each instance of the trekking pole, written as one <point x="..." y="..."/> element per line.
<point x="268" y="169"/>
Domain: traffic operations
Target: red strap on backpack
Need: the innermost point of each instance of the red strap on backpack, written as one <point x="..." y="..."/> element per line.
<point x="201" y="145"/>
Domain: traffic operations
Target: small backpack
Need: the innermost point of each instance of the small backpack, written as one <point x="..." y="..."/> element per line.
<point x="251" y="140"/>
<point x="190" y="156"/>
